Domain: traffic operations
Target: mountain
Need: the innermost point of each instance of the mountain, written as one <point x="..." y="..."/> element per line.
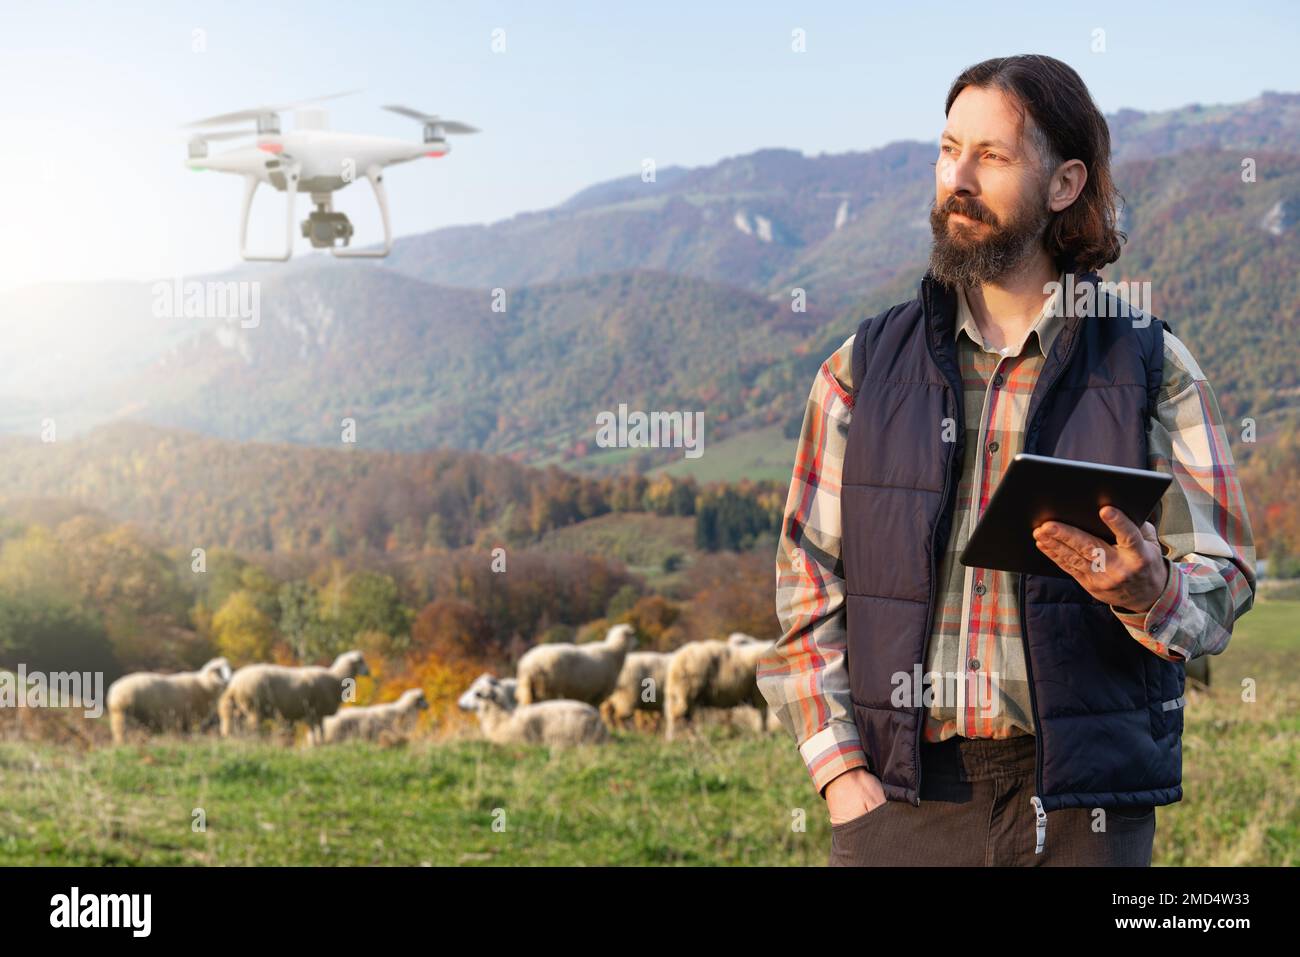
<point x="417" y="366"/>
<point x="63" y="339"/>
<point x="767" y="222"/>
<point x="1270" y="122"/>
<point x="671" y="295"/>
<point x="1222" y="255"/>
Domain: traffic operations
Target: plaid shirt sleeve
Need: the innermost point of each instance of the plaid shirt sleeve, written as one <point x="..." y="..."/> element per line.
<point x="804" y="675"/>
<point x="1210" y="551"/>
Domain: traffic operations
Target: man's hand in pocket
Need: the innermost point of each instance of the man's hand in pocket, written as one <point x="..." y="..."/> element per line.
<point x="853" y="794"/>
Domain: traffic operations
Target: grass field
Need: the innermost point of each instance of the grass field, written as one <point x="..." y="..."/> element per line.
<point x="640" y="540"/>
<point x="760" y="454"/>
<point x="724" y="798"/>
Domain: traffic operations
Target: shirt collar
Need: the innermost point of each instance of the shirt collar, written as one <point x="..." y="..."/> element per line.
<point x="1042" y="333"/>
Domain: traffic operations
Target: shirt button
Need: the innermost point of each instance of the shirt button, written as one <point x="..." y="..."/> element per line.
<point x="993" y="446"/>
<point x="973" y="664"/>
<point x="998" y="380"/>
<point x="980" y="588"/>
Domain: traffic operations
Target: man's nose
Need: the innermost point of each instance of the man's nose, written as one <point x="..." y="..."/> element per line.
<point x="958" y="176"/>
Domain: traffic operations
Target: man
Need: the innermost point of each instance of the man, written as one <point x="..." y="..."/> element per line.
<point x="1042" y="699"/>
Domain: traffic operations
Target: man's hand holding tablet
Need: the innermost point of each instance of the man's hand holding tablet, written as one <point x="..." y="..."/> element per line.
<point x="1051" y="516"/>
<point x="1133" y="572"/>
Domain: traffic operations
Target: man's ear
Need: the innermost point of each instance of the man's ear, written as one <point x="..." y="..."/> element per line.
<point x="1066" y="184"/>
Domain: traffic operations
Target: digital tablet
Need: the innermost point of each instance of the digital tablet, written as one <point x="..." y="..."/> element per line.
<point x="1038" y="489"/>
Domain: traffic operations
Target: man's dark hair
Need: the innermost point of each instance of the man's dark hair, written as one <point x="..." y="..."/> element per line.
<point x="1067" y="125"/>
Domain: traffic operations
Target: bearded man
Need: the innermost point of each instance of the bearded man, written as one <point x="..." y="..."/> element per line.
<point x="1058" y="731"/>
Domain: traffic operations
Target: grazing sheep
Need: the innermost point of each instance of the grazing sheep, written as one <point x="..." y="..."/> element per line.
<point x="585" y="672"/>
<point x="510" y="687"/>
<point x="308" y="694"/>
<point x="644" y="676"/>
<point x="557" y="723"/>
<point x="166" y="702"/>
<point x="713" y="674"/>
<point x="742" y="716"/>
<point x="379" y="721"/>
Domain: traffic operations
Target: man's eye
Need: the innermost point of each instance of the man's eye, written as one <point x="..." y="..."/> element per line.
<point x="993" y="156"/>
<point x="945" y="149"/>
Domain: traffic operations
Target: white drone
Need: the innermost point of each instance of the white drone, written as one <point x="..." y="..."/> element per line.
<point x="315" y="160"/>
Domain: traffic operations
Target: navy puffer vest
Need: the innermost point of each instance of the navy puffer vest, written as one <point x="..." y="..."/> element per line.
<point x="1108" y="713"/>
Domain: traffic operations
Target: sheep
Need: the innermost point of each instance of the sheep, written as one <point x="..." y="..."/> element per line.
<point x="507" y="686"/>
<point x="376" y="722"/>
<point x="307" y="694"/>
<point x="510" y="688"/>
<point x="557" y="723"/>
<point x="640" y="687"/>
<point x="713" y="674"/>
<point x="586" y="673"/>
<point x="166" y="702"/>
<point x="743" y="716"/>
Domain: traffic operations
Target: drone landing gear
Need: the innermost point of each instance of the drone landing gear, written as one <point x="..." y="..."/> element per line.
<point x="324" y="227"/>
<point x="376" y="176"/>
<point x="291" y="193"/>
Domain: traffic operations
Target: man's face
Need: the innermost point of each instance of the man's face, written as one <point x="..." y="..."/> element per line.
<point x="990" y="188"/>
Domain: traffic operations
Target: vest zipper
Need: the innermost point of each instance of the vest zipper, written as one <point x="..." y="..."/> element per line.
<point x="1040" y="816"/>
<point x="943" y="507"/>
<point x="1036" y="802"/>
<point x="929" y="622"/>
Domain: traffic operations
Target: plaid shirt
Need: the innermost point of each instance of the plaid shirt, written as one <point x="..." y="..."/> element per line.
<point x="1203" y="527"/>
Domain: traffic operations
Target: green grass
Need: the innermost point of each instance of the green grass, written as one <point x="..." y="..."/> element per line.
<point x="724" y="798"/>
<point x="759" y="454"/>
<point x="1241" y="758"/>
<point x="640" y="540"/>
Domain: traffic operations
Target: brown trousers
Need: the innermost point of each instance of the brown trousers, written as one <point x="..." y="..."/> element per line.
<point x="975" y="812"/>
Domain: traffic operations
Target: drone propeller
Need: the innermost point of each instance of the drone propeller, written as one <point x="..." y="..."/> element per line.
<point x="217" y="135"/>
<point x="433" y="124"/>
<point x="260" y="111"/>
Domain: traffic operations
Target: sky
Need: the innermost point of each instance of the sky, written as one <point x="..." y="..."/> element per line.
<point x="93" y="97"/>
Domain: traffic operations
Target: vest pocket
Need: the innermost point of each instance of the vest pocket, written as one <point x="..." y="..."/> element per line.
<point x="1167" y="702"/>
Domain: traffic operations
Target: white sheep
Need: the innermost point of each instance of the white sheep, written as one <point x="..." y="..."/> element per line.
<point x="375" y="722"/>
<point x="742" y="716"/>
<point x="746" y="716"/>
<point x="161" y="702"/>
<point x="557" y="723"/>
<point x="291" y="694"/>
<point x="713" y="674"/>
<point x="640" y="687"/>
<point x="510" y="688"/>
<point x="586" y="672"/>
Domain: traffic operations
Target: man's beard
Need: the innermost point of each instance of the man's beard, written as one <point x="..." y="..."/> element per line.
<point x="981" y="254"/>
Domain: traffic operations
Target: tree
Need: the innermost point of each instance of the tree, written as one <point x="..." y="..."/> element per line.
<point x="47" y="634"/>
<point x="243" y="632"/>
<point x="451" y="629"/>
<point x="371" y="603"/>
<point x="300" y="621"/>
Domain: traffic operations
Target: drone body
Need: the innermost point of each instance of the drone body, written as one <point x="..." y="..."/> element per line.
<point x="317" y="161"/>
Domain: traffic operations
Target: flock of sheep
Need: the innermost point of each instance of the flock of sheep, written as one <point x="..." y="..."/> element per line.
<point x="563" y="694"/>
<point x="187" y="701"/>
